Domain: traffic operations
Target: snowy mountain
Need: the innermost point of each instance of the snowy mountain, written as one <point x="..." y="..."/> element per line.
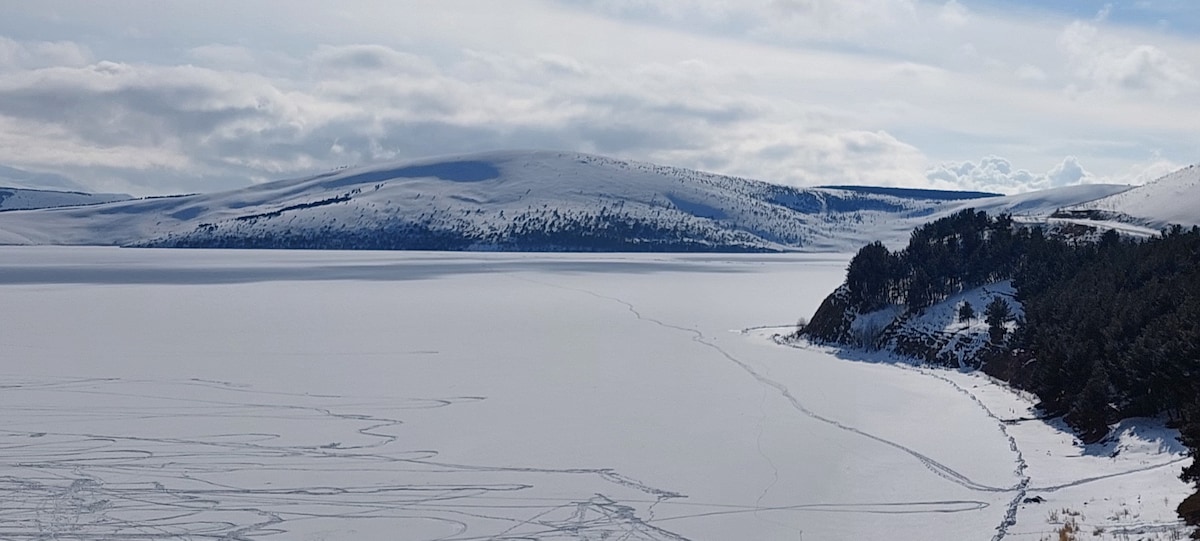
<point x="522" y="201"/>
<point x="25" y="199"/>
<point x="500" y="200"/>
<point x="1172" y="199"/>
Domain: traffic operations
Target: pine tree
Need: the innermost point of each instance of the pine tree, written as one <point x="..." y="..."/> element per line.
<point x="867" y="278"/>
<point x="966" y="312"/>
<point x="920" y="294"/>
<point x="1092" y="408"/>
<point x="997" y="314"/>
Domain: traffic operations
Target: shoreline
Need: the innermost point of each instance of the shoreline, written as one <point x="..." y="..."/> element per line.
<point x="1126" y="485"/>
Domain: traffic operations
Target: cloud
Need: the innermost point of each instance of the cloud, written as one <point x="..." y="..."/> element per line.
<point x="841" y="17"/>
<point x="789" y="155"/>
<point x="1110" y="65"/>
<point x="1031" y="73"/>
<point x="18" y="178"/>
<point x="1067" y="173"/>
<point x="1149" y="171"/>
<point x="365" y="103"/>
<point x="231" y="57"/>
<point x="114" y="103"/>
<point x="771" y="20"/>
<point x="953" y="13"/>
<point x="353" y="104"/>
<point x="996" y="174"/>
<point x="25" y="55"/>
<point x="793" y="91"/>
<point x="369" y="58"/>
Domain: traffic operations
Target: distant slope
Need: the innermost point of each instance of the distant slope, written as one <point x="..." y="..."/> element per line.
<point x="495" y="201"/>
<point x="1043" y="203"/>
<point x="514" y="200"/>
<point x="24" y="198"/>
<point x="20" y="178"/>
<point x="1172" y="199"/>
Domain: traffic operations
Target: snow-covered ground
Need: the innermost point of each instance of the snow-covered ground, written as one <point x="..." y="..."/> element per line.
<point x="1124" y="488"/>
<point x="1172" y="199"/>
<point x="333" y="395"/>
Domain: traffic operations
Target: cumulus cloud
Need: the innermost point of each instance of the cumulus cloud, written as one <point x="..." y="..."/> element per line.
<point x="364" y="103"/>
<point x="352" y="104"/>
<point x="996" y="174"/>
<point x="1113" y="65"/>
<point x="793" y="91"/>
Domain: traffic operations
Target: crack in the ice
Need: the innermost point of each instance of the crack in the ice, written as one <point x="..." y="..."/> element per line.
<point x="931" y="464"/>
<point x="1010" y="512"/>
<point x="1022" y="486"/>
<point x="698" y="337"/>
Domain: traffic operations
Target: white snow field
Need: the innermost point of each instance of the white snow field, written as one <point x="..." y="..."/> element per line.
<point x="162" y="394"/>
<point x="1172" y="199"/>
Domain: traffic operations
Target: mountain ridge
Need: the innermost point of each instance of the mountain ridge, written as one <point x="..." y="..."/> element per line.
<point x="13" y="198"/>
<point x="522" y="201"/>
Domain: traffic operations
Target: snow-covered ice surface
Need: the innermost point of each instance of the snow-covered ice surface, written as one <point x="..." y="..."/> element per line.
<point x="330" y="395"/>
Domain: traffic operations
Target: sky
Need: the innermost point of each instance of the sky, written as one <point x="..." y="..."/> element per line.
<point x="153" y="97"/>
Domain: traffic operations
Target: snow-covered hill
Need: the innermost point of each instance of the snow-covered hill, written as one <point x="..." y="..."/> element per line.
<point x="24" y="198"/>
<point x="524" y="201"/>
<point x="1172" y="199"/>
<point x="533" y="200"/>
<point x="1043" y="203"/>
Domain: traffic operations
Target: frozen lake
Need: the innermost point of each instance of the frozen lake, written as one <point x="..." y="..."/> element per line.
<point x="155" y="394"/>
